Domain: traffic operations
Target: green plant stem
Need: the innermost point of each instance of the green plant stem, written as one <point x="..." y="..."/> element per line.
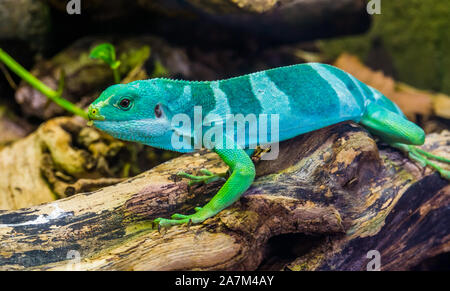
<point x="116" y="75"/>
<point x="38" y="85"/>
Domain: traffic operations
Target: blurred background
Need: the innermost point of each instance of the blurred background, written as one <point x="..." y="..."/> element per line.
<point x="400" y="47"/>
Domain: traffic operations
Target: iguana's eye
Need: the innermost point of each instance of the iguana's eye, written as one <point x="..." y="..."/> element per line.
<point x="125" y="103"/>
<point x="158" y="111"/>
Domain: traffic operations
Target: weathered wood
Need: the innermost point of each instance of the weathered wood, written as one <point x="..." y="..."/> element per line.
<point x="332" y="183"/>
<point x="226" y="20"/>
<point x="415" y="230"/>
<point x="30" y="167"/>
<point x="63" y="157"/>
<point x="272" y="20"/>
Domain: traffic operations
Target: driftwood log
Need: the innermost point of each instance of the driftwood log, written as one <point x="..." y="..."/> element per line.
<point x="331" y="197"/>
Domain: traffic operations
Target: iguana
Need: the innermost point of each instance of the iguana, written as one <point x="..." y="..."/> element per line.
<point x="303" y="97"/>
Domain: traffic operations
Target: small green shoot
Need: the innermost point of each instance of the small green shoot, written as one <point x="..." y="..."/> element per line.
<point x="53" y="95"/>
<point x="107" y="53"/>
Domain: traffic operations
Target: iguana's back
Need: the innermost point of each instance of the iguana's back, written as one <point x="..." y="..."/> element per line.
<point x="305" y="97"/>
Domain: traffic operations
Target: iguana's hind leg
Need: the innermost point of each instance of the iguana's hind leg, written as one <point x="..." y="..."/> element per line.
<point x="401" y="133"/>
<point x="423" y="158"/>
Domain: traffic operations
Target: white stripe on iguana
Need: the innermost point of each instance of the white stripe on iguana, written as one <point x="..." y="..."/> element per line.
<point x="185" y="98"/>
<point x="376" y="94"/>
<point x="271" y="98"/>
<point x="347" y="102"/>
<point x="187" y="95"/>
<point x="357" y="84"/>
<point x="222" y="107"/>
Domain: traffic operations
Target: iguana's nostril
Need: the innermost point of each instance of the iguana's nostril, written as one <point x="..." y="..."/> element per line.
<point x="94" y="114"/>
<point x="90" y="113"/>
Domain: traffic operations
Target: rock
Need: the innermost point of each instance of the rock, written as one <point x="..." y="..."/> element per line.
<point x="26" y="20"/>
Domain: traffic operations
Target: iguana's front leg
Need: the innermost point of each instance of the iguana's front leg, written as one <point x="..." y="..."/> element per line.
<point x="242" y="176"/>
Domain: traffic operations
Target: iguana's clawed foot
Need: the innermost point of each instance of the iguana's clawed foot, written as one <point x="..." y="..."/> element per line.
<point x="178" y="219"/>
<point x="207" y="178"/>
<point x="425" y="161"/>
<point x="164" y="222"/>
<point x="199" y="216"/>
<point x="425" y="158"/>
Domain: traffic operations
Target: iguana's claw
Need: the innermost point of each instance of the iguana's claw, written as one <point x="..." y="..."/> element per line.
<point x="188" y="219"/>
<point x="425" y="158"/>
<point x="177" y="219"/>
<point x="179" y="216"/>
<point x="207" y="178"/>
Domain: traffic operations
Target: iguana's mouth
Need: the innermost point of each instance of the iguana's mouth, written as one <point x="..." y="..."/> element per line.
<point x="94" y="114"/>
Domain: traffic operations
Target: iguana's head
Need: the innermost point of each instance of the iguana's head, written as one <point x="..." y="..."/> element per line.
<point x="136" y="111"/>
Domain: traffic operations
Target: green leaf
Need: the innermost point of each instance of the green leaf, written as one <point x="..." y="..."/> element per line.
<point x="115" y="65"/>
<point x="104" y="52"/>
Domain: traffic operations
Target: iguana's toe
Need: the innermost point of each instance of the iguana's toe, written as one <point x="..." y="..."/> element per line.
<point x="207" y="178"/>
<point x="425" y="159"/>
<point x="178" y="219"/>
<point x="179" y="216"/>
<point x="164" y="222"/>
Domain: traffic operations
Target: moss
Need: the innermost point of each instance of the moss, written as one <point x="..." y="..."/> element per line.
<point x="309" y="263"/>
<point x="139" y="227"/>
<point x="414" y="34"/>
